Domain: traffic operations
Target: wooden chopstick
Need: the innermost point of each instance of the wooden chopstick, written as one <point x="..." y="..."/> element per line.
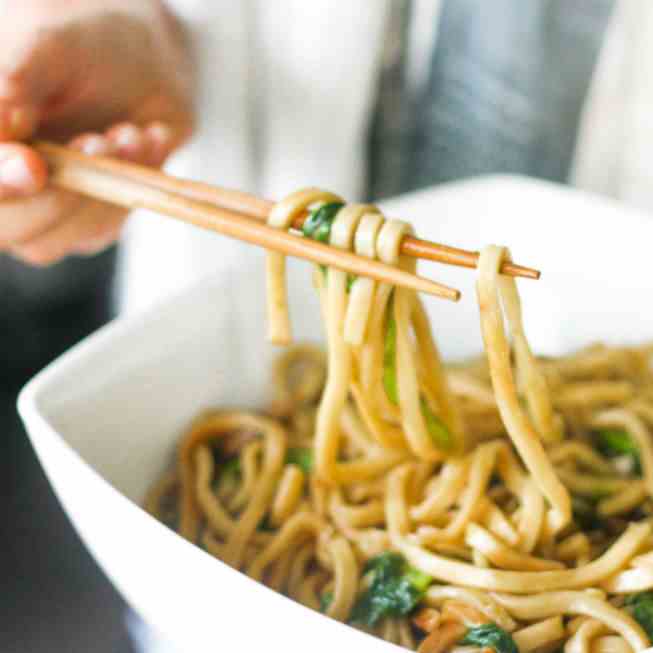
<point x="117" y="184"/>
<point x="256" y="207"/>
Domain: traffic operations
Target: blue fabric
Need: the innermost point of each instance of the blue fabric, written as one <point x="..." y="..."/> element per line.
<point x="507" y="85"/>
<point x="47" y="310"/>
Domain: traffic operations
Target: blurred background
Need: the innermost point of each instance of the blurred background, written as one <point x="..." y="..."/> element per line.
<point x="370" y="100"/>
<point x="54" y="597"/>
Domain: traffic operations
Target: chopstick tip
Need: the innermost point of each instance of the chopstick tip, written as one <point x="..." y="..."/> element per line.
<point x="514" y="270"/>
<point x="436" y="289"/>
<point x="529" y="273"/>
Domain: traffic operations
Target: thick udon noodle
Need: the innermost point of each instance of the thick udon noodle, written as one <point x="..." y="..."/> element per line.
<point x="468" y="471"/>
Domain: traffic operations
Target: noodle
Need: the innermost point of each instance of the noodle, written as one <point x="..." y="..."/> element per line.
<point x="504" y="504"/>
<point x="567" y="603"/>
<point x="539" y="634"/>
<point x="524" y="582"/>
<point x="521" y="431"/>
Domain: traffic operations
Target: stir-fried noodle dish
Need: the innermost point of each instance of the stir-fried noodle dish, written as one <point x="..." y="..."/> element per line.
<point x="500" y="505"/>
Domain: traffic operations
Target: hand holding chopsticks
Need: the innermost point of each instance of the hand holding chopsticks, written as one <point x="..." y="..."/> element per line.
<point x="230" y="213"/>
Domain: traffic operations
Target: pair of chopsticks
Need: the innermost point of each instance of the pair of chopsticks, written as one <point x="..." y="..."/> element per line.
<point x="231" y="213"/>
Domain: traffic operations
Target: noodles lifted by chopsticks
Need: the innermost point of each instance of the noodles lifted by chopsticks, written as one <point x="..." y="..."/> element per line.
<point x="379" y="342"/>
<point x="502" y="504"/>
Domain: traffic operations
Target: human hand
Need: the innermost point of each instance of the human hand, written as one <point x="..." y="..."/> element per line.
<point x="109" y="78"/>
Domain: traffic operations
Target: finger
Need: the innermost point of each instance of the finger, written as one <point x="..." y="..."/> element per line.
<point x="150" y="145"/>
<point x="22" y="220"/>
<point x="129" y="140"/>
<point x="161" y="142"/>
<point x="22" y="171"/>
<point x="94" y="246"/>
<point x="92" y="222"/>
<point x="93" y="144"/>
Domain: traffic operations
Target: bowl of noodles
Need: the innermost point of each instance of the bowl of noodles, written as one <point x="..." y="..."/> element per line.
<point x="294" y="458"/>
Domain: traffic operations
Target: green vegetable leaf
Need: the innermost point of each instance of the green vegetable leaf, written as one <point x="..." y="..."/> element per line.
<point x="584" y="512"/>
<point x="302" y="457"/>
<point x="395" y="589"/>
<point x="265" y="526"/>
<point x="634" y="599"/>
<point x="490" y="635"/>
<point x="390" y="358"/>
<point x="640" y="607"/>
<point x="437" y="430"/>
<point x="318" y="227"/>
<point x="418" y="579"/>
<point x="326" y="599"/>
<point x="318" y="224"/>
<point x="440" y="434"/>
<point x="230" y="469"/>
<point x="228" y="473"/>
<point x="617" y="442"/>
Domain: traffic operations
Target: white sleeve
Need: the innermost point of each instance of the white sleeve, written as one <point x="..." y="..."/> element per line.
<point x="615" y="139"/>
<point x="159" y="256"/>
<point x="317" y="73"/>
<point x="187" y="10"/>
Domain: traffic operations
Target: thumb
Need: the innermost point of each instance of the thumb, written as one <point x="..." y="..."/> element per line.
<point x="22" y="170"/>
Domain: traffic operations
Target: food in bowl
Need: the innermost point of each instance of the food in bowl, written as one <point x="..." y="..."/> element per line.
<point x="504" y="503"/>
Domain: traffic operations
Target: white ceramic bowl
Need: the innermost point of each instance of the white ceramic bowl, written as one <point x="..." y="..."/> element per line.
<point x="104" y="418"/>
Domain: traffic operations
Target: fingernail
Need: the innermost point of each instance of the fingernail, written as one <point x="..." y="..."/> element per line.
<point x="160" y="142"/>
<point x="159" y="132"/>
<point x="129" y="142"/>
<point x="94" y="145"/>
<point x="128" y="136"/>
<point x="15" y="173"/>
